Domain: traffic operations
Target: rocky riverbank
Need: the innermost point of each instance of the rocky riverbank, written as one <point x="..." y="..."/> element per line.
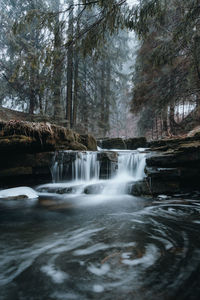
<point x="27" y="149"/>
<point x="174" y="166"/>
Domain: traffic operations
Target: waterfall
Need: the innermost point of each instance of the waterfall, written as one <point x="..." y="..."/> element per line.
<point x="57" y="167"/>
<point x="85" y="169"/>
<point x="76" y="166"/>
<point x="131" y="165"/>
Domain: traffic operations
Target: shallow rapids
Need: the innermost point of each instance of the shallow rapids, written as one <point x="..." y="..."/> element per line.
<point x="121" y="248"/>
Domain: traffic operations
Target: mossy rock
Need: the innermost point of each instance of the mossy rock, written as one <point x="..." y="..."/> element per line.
<point x="16" y="143"/>
<point x="135" y="143"/>
<point x="89" y="141"/>
<point x="114" y="143"/>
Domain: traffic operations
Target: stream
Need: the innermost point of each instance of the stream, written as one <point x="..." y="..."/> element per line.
<point x="70" y="244"/>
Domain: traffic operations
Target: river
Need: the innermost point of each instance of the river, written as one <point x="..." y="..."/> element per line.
<point x="105" y="246"/>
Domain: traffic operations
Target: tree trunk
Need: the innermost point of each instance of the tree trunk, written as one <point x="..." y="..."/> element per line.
<point x="76" y="73"/>
<point x="107" y="98"/>
<point x="32" y="102"/>
<point x="102" y="92"/>
<point x="69" y="101"/>
<point x="84" y="99"/>
<point x="164" y="120"/>
<point x="171" y="119"/>
<point x="57" y="75"/>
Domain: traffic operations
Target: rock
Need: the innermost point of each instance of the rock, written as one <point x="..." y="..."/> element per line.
<point x="111" y="156"/>
<point x="76" y="146"/>
<point x="114" y="143"/>
<point x="166" y="173"/>
<point x="165" y="186"/>
<point x="94" y="188"/>
<point x="139" y="188"/>
<point x="30" y="137"/>
<point x="135" y="143"/>
<point x="108" y="163"/>
<point x="163" y="197"/>
<point x="28" y="168"/>
<point x="59" y="189"/>
<point x="88" y="141"/>
<point x="23" y="144"/>
<point x="18" y="193"/>
<point x="195" y="132"/>
<point x="175" y="167"/>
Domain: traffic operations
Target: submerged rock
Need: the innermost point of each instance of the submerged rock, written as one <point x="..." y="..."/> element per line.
<point x="94" y="188"/>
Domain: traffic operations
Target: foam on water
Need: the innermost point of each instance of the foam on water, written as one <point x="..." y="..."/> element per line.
<point x="57" y="276"/>
<point x="86" y="171"/>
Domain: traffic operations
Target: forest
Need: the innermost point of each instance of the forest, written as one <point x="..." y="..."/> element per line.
<point x="107" y="67"/>
<point x="99" y="149"/>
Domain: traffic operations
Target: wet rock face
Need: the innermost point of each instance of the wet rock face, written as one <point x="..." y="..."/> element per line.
<point x="175" y="167"/>
<point x="25" y="150"/>
<point x="26" y="168"/>
<point x="139" y="188"/>
<point x="108" y="163"/>
<point x="114" y="143"/>
<point x="135" y="143"/>
<point x="123" y="144"/>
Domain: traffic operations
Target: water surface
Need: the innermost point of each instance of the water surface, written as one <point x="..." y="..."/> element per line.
<point x="100" y="247"/>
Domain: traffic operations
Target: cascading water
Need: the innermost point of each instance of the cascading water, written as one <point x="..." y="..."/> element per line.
<point x="131" y="166"/>
<point x="86" y="170"/>
<point x="86" y="238"/>
<point x="75" y="166"/>
<point x="86" y="167"/>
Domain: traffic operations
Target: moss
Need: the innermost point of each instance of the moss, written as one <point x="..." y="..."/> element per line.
<point x="30" y="137"/>
<point x="89" y="141"/>
<point x="114" y="143"/>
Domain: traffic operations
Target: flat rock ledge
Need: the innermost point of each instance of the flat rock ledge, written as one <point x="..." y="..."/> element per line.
<point x="174" y="166"/>
<point x="123" y="144"/>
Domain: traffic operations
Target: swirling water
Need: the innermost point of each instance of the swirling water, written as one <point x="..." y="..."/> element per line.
<point x="122" y="248"/>
<point x="105" y="246"/>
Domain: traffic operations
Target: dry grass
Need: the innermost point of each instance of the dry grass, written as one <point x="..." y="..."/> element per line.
<point x="40" y="131"/>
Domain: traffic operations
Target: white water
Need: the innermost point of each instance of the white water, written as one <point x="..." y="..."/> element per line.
<point x="86" y="171"/>
<point x="130" y="169"/>
<point x="86" y="167"/>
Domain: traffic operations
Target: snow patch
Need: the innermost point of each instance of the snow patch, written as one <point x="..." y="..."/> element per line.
<point x="19" y="191"/>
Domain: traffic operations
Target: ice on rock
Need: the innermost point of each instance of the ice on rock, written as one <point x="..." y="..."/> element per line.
<point x="24" y="192"/>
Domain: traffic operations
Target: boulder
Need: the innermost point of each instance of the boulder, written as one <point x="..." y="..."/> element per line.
<point x="88" y="141"/>
<point x="135" y="143"/>
<point x="139" y="188"/>
<point x="108" y="163"/>
<point x="114" y="143"/>
<point x="94" y="188"/>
